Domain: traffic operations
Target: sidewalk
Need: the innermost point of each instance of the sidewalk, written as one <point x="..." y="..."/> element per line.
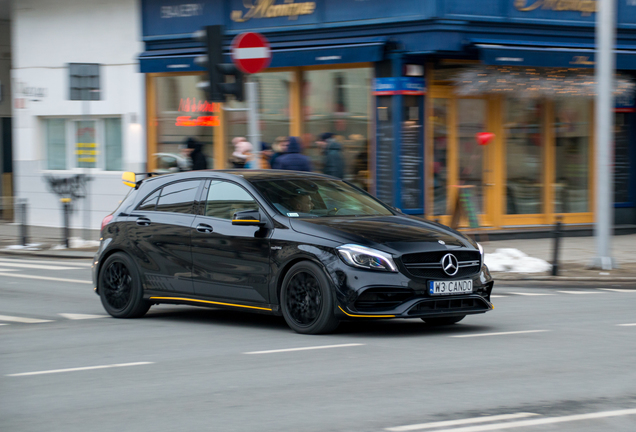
<point x="576" y="253"/>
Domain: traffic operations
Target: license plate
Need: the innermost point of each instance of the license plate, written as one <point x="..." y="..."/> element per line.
<point x="451" y="287"/>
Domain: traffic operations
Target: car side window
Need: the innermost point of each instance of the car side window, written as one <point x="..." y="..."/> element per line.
<point x="178" y="197"/>
<point x="150" y="202"/>
<point x="225" y="198"/>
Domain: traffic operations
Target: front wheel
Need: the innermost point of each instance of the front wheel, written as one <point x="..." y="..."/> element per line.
<point x="120" y="288"/>
<point x="443" y="320"/>
<point x="307" y="300"/>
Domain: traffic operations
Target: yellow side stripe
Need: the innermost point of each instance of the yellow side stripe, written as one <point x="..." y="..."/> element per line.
<point x="366" y="316"/>
<point x="244" y="220"/>
<point x="209" y="302"/>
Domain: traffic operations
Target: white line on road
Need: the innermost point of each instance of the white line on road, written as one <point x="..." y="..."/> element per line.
<point x="579" y="292"/>
<point x="485" y="419"/>
<point x="498" y="296"/>
<point x="305" y="348"/>
<point x="530" y="294"/>
<point x="45" y="278"/>
<point x="81" y="316"/>
<point x="626" y="325"/>
<point x="618" y="290"/>
<point x="37" y="266"/>
<point x="542" y="421"/>
<point x="67" y="262"/>
<point x="22" y="319"/>
<point x="80" y="369"/>
<point x="500" y="333"/>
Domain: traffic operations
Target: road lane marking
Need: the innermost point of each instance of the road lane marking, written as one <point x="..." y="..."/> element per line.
<point x="45" y="278"/>
<point x="22" y="319"/>
<point x="80" y="369"/>
<point x="498" y="296"/>
<point x="500" y="333"/>
<point x="81" y="316"/>
<point x="305" y="348"/>
<point x="626" y="325"/>
<point x="542" y="421"/>
<point x="580" y="292"/>
<point x="37" y="266"/>
<point x="485" y="419"/>
<point x="530" y="294"/>
<point x="618" y="290"/>
<point x="65" y="262"/>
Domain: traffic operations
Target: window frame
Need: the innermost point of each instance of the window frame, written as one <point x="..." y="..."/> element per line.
<point x="204" y="195"/>
<point x="70" y="130"/>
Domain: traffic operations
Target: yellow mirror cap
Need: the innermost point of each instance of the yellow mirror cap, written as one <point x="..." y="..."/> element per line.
<point x="129" y="178"/>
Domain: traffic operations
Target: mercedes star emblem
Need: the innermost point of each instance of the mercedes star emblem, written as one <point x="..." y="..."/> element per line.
<point x="450" y="264"/>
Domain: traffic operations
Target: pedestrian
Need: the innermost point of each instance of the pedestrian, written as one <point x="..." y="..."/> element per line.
<point x="293" y="159"/>
<point x="266" y="155"/>
<point x="194" y="150"/>
<point x="333" y="159"/>
<point x="243" y="153"/>
<point x="279" y="147"/>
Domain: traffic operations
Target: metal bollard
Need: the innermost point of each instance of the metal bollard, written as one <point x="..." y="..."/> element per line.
<point x="23" y="222"/>
<point x="66" y="210"/>
<point x="555" y="256"/>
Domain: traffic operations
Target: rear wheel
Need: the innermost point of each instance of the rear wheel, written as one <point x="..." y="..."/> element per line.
<point x="307" y="300"/>
<point x="443" y="320"/>
<point x="120" y="288"/>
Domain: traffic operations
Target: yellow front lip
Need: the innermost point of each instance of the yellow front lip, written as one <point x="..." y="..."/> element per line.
<point x="365" y="316"/>
<point x="209" y="302"/>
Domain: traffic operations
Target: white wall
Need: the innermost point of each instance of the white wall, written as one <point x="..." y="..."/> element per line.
<point x="46" y="36"/>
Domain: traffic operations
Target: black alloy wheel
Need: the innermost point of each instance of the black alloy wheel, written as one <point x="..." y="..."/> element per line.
<point x="443" y="320"/>
<point x="307" y="300"/>
<point x="120" y="289"/>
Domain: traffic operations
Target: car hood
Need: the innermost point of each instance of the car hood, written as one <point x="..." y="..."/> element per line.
<point x="401" y="233"/>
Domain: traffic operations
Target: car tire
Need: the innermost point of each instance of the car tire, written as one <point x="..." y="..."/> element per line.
<point x="120" y="288"/>
<point x="443" y="320"/>
<point x="307" y="300"/>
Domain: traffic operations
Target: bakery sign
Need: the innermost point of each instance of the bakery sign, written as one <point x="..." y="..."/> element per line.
<point x="257" y="9"/>
<point x="586" y="7"/>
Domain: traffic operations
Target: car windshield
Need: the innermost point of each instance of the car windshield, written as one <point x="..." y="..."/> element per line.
<point x="319" y="198"/>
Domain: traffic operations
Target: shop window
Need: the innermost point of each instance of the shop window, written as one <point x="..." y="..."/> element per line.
<point x="337" y="101"/>
<point x="183" y="112"/>
<point x="273" y="109"/>
<point x="78" y="143"/>
<point x="622" y="171"/>
<point x="524" y="160"/>
<point x="440" y="155"/>
<point x="471" y="121"/>
<point x="572" y="129"/>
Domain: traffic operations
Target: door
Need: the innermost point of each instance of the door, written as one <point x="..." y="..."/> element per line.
<point x="230" y="262"/>
<point x="159" y="229"/>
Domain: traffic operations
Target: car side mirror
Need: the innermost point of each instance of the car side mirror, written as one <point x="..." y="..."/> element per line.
<point x="248" y="218"/>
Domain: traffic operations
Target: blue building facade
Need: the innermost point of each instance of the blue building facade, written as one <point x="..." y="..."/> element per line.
<point x="406" y="86"/>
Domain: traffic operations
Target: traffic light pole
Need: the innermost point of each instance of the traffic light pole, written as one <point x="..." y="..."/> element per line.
<point x="253" y="133"/>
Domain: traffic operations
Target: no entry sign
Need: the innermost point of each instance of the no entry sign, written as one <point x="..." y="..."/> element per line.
<point x="251" y="52"/>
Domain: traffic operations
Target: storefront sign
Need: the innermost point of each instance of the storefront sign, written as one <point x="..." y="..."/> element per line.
<point x="399" y="86"/>
<point x="189" y="121"/>
<point x="586" y="7"/>
<point x="194" y="105"/>
<point x="182" y="10"/>
<point x="624" y="104"/>
<point x="268" y="9"/>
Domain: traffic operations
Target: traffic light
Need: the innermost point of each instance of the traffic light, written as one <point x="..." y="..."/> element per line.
<point x="216" y="86"/>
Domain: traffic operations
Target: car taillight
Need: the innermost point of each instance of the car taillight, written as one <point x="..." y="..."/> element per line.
<point x="106" y="221"/>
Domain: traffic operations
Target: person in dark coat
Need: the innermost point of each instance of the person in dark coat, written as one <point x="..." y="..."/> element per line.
<point x="333" y="160"/>
<point x="195" y="148"/>
<point x="293" y="159"/>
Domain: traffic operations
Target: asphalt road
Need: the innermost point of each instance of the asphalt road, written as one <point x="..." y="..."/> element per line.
<point x="546" y="359"/>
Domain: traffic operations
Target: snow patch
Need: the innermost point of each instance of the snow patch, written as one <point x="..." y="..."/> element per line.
<point x="515" y="261"/>
<point x="29" y="247"/>
<point x="76" y="243"/>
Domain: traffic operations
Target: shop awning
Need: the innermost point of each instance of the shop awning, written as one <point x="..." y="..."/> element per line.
<point x="544" y="54"/>
<point x="305" y="53"/>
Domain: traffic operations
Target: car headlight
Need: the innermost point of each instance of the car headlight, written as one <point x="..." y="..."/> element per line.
<point x="366" y="258"/>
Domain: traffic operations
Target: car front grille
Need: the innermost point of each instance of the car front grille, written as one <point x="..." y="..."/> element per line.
<point x="428" y="265"/>
<point x="376" y="299"/>
<point x="443" y="305"/>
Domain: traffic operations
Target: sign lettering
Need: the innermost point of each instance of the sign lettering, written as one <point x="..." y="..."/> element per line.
<point x="268" y="9"/>
<point x="586" y="7"/>
<point x="582" y="60"/>
<point x="194" y="105"/>
<point x="182" y="11"/>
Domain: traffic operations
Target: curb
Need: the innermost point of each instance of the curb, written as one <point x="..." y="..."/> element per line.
<point x="529" y="278"/>
<point x="71" y="254"/>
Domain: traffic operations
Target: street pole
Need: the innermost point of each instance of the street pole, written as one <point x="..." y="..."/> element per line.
<point x="604" y="70"/>
<point x="87" y="171"/>
<point x="253" y="134"/>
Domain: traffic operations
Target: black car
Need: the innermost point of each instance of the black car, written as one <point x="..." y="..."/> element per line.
<point x="309" y="247"/>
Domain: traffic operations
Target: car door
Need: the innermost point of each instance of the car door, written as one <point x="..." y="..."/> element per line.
<point x="160" y="231"/>
<point x="230" y="261"/>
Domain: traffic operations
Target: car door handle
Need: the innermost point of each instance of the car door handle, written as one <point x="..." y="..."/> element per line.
<point x="143" y="221"/>
<point x="206" y="229"/>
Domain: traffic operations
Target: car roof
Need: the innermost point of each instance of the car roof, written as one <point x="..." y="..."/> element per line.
<point x="251" y="175"/>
